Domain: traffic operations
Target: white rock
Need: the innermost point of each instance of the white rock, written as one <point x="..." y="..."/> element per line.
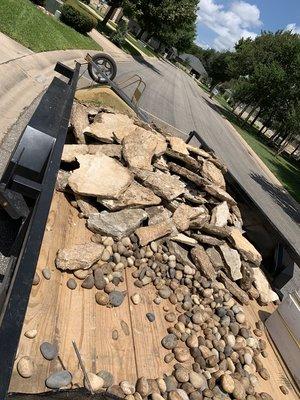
<point x="96" y="382"/>
<point x="220" y="214"/>
<point x="100" y="176"/>
<point x="232" y="261"/>
<point x="31" y="334"/>
<point x="262" y="285"/>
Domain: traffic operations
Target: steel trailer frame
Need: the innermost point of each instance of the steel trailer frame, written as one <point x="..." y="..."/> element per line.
<point x="26" y="190"/>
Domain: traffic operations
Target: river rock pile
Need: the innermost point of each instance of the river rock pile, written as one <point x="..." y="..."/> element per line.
<point x="160" y="207"/>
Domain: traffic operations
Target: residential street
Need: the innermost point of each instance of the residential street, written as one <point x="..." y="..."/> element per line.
<point x="174" y="97"/>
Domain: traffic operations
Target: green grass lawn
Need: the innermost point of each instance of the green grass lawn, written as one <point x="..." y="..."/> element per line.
<point x="285" y="169"/>
<point x="143" y="49"/>
<point x="26" y="24"/>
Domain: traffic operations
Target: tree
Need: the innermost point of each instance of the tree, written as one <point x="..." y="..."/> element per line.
<point x="218" y="67"/>
<point x="292" y="127"/>
<point x="268" y="68"/>
<point x="171" y="22"/>
<point x="113" y="4"/>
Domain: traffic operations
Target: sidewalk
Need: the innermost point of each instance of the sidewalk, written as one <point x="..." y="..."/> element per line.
<point x="108" y="47"/>
<point x="24" y="75"/>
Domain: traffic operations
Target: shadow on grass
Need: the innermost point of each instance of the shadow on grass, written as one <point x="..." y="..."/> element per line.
<point x="286" y="169"/>
<point x="279" y="195"/>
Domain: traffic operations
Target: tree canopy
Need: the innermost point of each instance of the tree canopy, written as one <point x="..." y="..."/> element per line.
<point x="171" y="22"/>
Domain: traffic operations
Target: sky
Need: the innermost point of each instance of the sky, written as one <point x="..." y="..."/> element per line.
<point x="221" y="23"/>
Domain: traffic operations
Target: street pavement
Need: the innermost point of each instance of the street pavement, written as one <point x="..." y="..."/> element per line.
<point x="175" y="98"/>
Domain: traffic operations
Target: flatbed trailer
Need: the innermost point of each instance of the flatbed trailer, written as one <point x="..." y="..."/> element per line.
<point x="61" y="315"/>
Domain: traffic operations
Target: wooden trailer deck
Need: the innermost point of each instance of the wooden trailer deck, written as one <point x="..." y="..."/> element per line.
<point x="61" y="315"/>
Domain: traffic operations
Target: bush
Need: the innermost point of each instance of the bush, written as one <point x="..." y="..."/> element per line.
<point x="39" y="2"/>
<point x="119" y="36"/>
<point x="80" y="21"/>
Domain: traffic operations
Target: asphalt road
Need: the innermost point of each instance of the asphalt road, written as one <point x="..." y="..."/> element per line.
<point x="174" y="97"/>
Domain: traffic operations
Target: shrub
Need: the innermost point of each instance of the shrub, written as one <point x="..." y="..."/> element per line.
<point x="119" y="36"/>
<point x="39" y="2"/>
<point x="80" y="21"/>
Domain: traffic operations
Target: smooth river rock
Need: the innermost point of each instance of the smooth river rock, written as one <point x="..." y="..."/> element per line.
<point x="49" y="350"/>
<point x="25" y="367"/>
<point x="58" y="380"/>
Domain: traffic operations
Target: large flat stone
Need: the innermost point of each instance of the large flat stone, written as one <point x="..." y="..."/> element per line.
<point x="71" y="151"/>
<point x="184" y="239"/>
<point x="157" y="214"/>
<point x="234" y="289"/>
<point x="85" y="206"/>
<point x="116" y="224"/>
<point x="147" y="234"/>
<point x="198" y="151"/>
<point x="232" y="261"/>
<point x="110" y="127"/>
<point x="100" y="176"/>
<point x="261" y="283"/>
<point x="164" y="185"/>
<point x="80" y="256"/>
<point x="219" y="193"/>
<point x="202" y="262"/>
<point x="139" y="148"/>
<point x="79" y="121"/>
<point x="180" y="253"/>
<point x="177" y="144"/>
<point x="135" y="195"/>
<point x="220" y="214"/>
<point x="184" y="214"/>
<point x="245" y="248"/>
<point x="215" y="258"/>
<point x="214" y="174"/>
<point x="62" y="181"/>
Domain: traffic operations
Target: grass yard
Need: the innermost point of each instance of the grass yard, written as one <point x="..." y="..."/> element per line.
<point x="26" y="24"/>
<point x="143" y="49"/>
<point x="286" y="170"/>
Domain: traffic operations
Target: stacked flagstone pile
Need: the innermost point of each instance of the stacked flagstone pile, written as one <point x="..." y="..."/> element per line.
<point x="160" y="207"/>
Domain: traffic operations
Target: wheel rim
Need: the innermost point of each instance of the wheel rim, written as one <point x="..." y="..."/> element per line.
<point x="105" y="66"/>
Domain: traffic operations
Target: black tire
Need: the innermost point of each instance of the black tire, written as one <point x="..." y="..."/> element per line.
<point x="106" y="61"/>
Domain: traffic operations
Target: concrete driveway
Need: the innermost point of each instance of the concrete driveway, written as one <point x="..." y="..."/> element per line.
<point x="175" y="98"/>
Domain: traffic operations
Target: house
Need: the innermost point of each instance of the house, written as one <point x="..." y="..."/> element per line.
<point x="194" y="65"/>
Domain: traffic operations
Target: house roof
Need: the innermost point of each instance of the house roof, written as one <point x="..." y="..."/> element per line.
<point x="194" y="63"/>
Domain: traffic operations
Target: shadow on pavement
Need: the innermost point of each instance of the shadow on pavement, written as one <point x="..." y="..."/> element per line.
<point x="280" y="196"/>
<point x="141" y="60"/>
<point x="220" y="110"/>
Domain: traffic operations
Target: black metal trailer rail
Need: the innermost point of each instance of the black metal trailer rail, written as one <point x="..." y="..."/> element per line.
<point x="26" y="190"/>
